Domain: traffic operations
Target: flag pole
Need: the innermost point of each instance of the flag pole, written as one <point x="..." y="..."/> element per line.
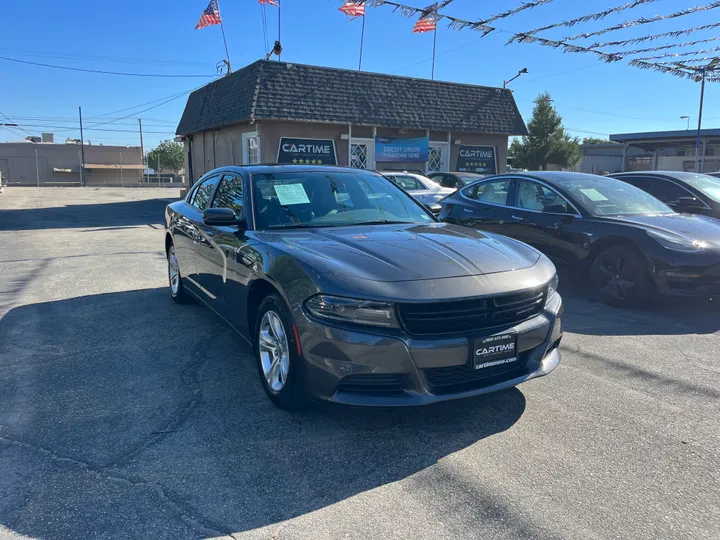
<point x="433" y="60"/>
<point x="222" y="27"/>
<point x="362" y="40"/>
<point x="279" y="8"/>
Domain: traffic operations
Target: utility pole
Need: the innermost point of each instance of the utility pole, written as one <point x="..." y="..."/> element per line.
<point x="142" y="149"/>
<point x="122" y="182"/>
<point x="697" y="139"/>
<point x="37" y="167"/>
<point x="83" y="178"/>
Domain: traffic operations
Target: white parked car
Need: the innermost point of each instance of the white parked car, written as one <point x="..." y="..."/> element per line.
<point x="422" y="188"/>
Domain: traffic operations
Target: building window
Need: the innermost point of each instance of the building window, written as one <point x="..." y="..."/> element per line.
<point x="359" y="156"/>
<point x="251" y="148"/>
<point x="435" y="160"/>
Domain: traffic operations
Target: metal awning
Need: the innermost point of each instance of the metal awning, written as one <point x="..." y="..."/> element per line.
<point x="114" y="166"/>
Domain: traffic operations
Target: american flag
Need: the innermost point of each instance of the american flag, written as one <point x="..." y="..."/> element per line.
<point x="354" y="9"/>
<point x="428" y="20"/>
<point x="210" y="16"/>
<point x="271" y="2"/>
<point x="424" y="24"/>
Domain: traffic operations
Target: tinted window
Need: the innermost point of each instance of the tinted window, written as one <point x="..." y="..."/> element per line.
<point x="204" y="191"/>
<point x="490" y="192"/>
<point x="229" y="194"/>
<point x="330" y="199"/>
<point x="534" y="196"/>
<point x="406" y="182"/>
<point x="662" y="189"/>
<point x="605" y="196"/>
<point x="709" y="185"/>
<point x="470" y="178"/>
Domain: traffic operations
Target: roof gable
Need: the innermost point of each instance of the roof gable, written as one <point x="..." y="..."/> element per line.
<point x="284" y="91"/>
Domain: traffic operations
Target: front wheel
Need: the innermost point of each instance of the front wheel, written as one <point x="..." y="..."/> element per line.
<point x="279" y="365"/>
<point x="177" y="289"/>
<point x="619" y="277"/>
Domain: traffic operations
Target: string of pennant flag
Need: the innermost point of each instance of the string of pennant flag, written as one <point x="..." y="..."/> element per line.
<point x="429" y="17"/>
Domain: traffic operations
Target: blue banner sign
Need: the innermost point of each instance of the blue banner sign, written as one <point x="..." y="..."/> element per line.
<point x="387" y="149"/>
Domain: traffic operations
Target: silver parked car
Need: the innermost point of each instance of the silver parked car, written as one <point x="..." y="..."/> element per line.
<point x="422" y="188"/>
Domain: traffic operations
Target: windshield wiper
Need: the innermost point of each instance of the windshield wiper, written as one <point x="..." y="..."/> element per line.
<point x="384" y="222"/>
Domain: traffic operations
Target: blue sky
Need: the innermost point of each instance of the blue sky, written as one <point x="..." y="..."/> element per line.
<point x="158" y="37"/>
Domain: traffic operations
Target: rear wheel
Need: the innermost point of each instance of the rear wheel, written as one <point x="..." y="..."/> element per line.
<point x="279" y="365"/>
<point x="177" y="289"/>
<point x="620" y="277"/>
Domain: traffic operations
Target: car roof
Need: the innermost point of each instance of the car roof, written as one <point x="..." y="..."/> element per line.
<point x="551" y="177"/>
<point x="677" y="175"/>
<point x="275" y="168"/>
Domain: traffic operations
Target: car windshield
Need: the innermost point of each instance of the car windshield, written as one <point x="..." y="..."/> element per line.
<point x="330" y="199"/>
<point x="709" y="185"/>
<point x="603" y="196"/>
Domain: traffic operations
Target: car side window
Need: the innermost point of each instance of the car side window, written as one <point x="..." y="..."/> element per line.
<point x="229" y="193"/>
<point x="202" y="195"/>
<point x="448" y="181"/>
<point x="534" y="196"/>
<point x="407" y="182"/>
<point x="661" y="189"/>
<point x="490" y="192"/>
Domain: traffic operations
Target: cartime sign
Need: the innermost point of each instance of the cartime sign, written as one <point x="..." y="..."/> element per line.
<point x="307" y="151"/>
<point x="477" y="159"/>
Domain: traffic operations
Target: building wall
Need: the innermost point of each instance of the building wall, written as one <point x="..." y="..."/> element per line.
<point x="212" y="149"/>
<point x="18" y="164"/>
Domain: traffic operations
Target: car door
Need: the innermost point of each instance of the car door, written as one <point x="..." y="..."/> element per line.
<point x="220" y="254"/>
<point x="192" y="226"/>
<point x="547" y="221"/>
<point x="185" y="228"/>
<point x="484" y="206"/>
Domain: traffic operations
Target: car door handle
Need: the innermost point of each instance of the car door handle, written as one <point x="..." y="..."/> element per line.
<point x="516" y="218"/>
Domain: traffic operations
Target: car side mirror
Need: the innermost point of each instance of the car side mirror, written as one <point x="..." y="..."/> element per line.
<point x="223" y="216"/>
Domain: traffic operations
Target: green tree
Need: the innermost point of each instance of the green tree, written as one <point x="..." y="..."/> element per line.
<point x="169" y="153"/>
<point x="547" y="142"/>
<point x="596" y="140"/>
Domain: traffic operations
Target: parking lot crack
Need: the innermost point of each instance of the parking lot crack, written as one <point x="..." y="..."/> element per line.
<point x="190" y="377"/>
<point x="187" y="515"/>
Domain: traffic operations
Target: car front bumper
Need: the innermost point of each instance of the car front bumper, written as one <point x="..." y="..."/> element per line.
<point x="359" y="367"/>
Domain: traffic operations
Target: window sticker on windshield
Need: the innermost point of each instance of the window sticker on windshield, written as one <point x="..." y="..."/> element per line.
<point x="291" y="194"/>
<point x="594" y="195"/>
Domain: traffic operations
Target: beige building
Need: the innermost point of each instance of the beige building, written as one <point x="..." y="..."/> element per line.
<point x="277" y="112"/>
<point x="51" y="164"/>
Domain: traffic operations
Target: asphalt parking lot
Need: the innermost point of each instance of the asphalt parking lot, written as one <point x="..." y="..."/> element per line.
<point x="124" y="415"/>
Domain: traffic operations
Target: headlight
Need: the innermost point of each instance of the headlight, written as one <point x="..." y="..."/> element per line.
<point x="678" y="243"/>
<point x="352" y="310"/>
<point x="552" y="288"/>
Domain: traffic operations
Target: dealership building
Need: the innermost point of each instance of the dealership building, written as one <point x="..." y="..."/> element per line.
<point x="278" y="112"/>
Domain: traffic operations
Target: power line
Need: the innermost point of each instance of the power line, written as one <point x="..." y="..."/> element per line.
<point x="64" y="128"/>
<point x="84" y="70"/>
<point x="12" y="122"/>
<point x="105" y="58"/>
<point x="143" y="104"/>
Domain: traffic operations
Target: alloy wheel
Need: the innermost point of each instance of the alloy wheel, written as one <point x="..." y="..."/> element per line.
<point x="618" y="276"/>
<point x="173" y="271"/>
<point x="274" y="351"/>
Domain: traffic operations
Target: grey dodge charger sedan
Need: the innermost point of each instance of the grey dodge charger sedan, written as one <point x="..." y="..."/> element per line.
<point x="350" y="291"/>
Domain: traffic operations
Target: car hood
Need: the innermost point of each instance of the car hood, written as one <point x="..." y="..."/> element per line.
<point x="690" y="226"/>
<point x="405" y="252"/>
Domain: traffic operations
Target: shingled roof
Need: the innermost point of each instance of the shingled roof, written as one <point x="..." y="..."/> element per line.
<point x="270" y="90"/>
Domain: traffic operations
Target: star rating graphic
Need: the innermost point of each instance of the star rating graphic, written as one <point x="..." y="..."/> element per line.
<point x="307" y="161"/>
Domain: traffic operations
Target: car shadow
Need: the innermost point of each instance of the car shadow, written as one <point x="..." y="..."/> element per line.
<point x="124" y="414"/>
<point x="115" y="214"/>
<point x="665" y="315"/>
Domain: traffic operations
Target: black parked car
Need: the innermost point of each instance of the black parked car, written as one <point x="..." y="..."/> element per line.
<point x="682" y="191"/>
<point x="350" y="291"/>
<point x="455" y="180"/>
<point x="629" y="243"/>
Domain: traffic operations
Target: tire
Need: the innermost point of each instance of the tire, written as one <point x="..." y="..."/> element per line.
<point x="285" y="386"/>
<point x="175" y="282"/>
<point x="619" y="277"/>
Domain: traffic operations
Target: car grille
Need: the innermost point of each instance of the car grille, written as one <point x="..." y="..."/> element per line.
<point x="464" y="316"/>
<point x="454" y="379"/>
<point x="371" y="383"/>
